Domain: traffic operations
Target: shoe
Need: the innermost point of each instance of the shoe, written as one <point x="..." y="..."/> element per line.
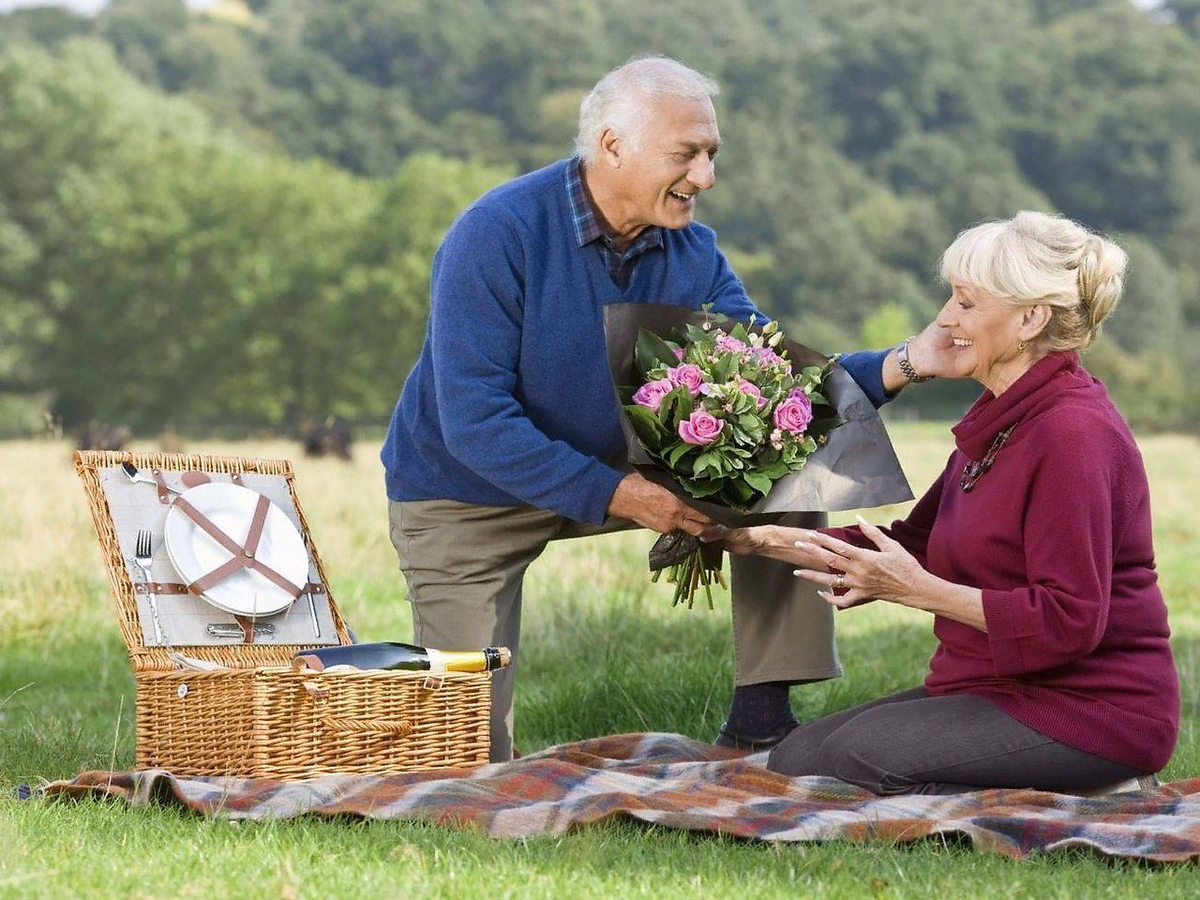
<point x="1141" y="783"/>
<point x="727" y="737"/>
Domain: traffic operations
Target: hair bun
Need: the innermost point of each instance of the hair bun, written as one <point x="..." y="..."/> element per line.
<point x="1101" y="278"/>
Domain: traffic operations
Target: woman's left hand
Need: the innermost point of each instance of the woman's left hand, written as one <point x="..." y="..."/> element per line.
<point x="859" y="574"/>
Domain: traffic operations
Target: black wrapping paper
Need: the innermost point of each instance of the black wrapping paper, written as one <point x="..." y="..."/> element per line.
<point x="856" y="468"/>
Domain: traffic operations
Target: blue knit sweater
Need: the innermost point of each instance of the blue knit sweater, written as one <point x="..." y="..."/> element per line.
<point x="511" y="401"/>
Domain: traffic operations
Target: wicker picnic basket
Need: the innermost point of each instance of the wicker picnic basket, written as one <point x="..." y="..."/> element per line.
<point x="252" y="713"/>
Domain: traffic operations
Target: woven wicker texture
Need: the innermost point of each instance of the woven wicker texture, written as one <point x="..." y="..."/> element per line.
<point x="259" y="717"/>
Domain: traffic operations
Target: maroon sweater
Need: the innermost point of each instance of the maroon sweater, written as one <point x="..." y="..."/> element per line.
<point x="1057" y="535"/>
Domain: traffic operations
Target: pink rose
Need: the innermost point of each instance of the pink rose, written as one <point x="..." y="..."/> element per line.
<point x="747" y="387"/>
<point x="679" y="354"/>
<point x="728" y="342"/>
<point x="768" y="357"/>
<point x="689" y="374"/>
<point x="700" y="428"/>
<point x="651" y="394"/>
<point x="794" y="413"/>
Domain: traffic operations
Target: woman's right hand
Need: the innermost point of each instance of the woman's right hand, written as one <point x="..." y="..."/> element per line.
<point x="774" y="541"/>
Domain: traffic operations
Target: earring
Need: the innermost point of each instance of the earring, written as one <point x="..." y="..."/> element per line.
<point x="1020" y="346"/>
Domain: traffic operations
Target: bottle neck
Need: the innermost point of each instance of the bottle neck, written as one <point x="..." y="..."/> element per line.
<point x="465" y="660"/>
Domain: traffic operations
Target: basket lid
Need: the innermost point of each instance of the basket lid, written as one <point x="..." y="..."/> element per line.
<point x="132" y="498"/>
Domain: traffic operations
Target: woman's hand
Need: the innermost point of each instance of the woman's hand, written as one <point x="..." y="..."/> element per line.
<point x="774" y="541"/>
<point x="855" y="574"/>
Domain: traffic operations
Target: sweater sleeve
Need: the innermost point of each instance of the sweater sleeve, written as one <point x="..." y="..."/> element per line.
<point x="1060" y="614"/>
<point x="476" y="317"/>
<point x="866" y="368"/>
<point x="911" y="532"/>
<point x="730" y="298"/>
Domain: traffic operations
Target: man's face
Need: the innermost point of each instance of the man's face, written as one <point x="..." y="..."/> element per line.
<point x="673" y="161"/>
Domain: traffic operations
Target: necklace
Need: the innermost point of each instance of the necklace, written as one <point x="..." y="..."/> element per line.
<point x="973" y="471"/>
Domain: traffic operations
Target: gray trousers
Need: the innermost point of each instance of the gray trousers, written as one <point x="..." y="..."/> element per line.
<point x="912" y="743"/>
<point x="464" y="565"/>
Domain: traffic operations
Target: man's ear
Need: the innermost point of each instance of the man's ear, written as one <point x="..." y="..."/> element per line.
<point x="611" y="147"/>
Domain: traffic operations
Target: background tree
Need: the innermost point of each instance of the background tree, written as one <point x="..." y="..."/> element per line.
<point x="264" y="186"/>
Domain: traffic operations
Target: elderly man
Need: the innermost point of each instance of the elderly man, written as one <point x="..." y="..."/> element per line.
<point x="507" y="433"/>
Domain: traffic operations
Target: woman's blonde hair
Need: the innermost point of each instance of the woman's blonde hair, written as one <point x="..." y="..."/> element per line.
<point x="1037" y="258"/>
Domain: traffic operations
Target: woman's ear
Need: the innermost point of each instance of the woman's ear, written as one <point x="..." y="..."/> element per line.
<point x="1034" y="320"/>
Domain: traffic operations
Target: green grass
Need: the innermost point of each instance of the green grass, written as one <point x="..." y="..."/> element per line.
<point x="603" y="653"/>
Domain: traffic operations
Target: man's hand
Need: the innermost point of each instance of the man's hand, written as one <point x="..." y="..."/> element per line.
<point x="656" y="508"/>
<point x="932" y="353"/>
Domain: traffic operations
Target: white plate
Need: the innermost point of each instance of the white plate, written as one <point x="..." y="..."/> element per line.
<point x="195" y="553"/>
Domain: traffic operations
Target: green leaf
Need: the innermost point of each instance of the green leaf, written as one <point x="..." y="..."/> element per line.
<point x="724" y="368"/>
<point x="676" y="453"/>
<point x="641" y="415"/>
<point x="760" y="483"/>
<point x="652" y="350"/>
<point x="774" y="471"/>
<point x="675" y="407"/>
<point x="706" y="460"/>
<point x="647" y="427"/>
<point x="740" y="495"/>
<point x="701" y="488"/>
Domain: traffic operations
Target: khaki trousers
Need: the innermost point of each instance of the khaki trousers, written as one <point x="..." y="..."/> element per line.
<point x="465" y="564"/>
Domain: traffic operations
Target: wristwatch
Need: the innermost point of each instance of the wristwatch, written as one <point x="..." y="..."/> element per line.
<point x="905" y="366"/>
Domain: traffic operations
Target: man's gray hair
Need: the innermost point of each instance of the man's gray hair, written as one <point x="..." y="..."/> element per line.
<point x="621" y="99"/>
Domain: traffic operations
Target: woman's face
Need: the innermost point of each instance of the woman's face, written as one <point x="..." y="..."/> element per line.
<point x="985" y="331"/>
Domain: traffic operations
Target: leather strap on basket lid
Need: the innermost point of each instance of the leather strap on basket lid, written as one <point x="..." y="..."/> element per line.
<point x="189" y="479"/>
<point x="164" y="496"/>
<point x="243" y="555"/>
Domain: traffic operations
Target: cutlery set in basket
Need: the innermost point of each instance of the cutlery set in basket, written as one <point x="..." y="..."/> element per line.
<point x="217" y="584"/>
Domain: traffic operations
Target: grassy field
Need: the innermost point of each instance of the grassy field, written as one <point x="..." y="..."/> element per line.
<point x="603" y="653"/>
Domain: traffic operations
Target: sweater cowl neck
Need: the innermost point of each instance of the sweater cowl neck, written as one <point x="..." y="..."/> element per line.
<point x="989" y="415"/>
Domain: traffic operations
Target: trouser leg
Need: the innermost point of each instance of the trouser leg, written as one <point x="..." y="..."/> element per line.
<point x="464" y="565"/>
<point x="912" y="743"/>
<point x="782" y="631"/>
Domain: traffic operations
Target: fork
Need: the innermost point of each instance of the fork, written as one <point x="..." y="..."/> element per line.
<point x="143" y="556"/>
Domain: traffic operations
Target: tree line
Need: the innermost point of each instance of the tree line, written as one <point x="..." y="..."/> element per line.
<point x="213" y="218"/>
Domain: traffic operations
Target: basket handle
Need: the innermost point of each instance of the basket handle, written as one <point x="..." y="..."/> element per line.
<point x="397" y="727"/>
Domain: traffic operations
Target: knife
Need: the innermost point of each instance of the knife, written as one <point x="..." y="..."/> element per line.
<point x="232" y="630"/>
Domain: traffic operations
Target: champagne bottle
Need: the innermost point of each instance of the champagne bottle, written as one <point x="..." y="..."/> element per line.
<point x="393" y="655"/>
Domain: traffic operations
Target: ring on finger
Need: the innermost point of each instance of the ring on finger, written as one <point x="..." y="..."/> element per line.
<point x="839" y="583"/>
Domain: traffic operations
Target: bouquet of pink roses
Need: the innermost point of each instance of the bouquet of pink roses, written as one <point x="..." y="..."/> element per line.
<point x="742" y="423"/>
<point x="725" y="412"/>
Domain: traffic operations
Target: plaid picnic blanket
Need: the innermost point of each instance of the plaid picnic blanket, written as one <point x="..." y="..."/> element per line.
<point x="677" y="782"/>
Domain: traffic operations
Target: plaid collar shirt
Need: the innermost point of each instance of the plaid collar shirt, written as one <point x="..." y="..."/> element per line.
<point x="620" y="263"/>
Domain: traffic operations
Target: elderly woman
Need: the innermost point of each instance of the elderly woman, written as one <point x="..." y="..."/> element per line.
<point x="1032" y="550"/>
